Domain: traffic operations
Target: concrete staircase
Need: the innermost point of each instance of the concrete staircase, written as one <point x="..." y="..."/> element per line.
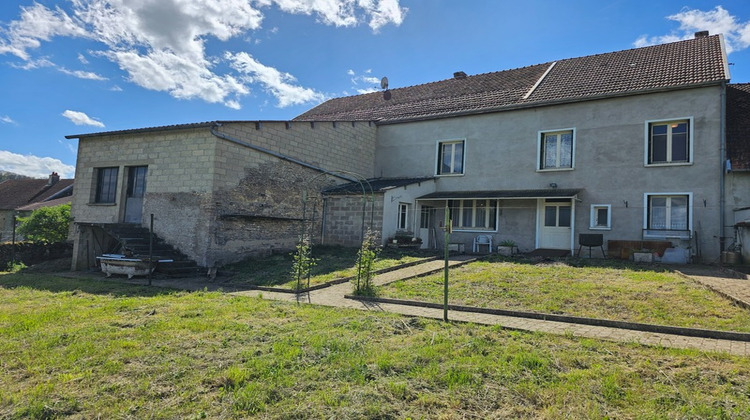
<point x="135" y="239"/>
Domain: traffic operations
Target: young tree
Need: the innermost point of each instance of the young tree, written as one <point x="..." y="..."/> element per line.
<point x="47" y="224"/>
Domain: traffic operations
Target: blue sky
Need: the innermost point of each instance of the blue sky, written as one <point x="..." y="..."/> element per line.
<point x="73" y="67"/>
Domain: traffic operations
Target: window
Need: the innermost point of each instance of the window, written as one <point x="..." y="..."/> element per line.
<point x="403" y="216"/>
<point x="668" y="215"/>
<point x="668" y="142"/>
<point x="557" y="212"/>
<point x="601" y="216"/>
<point x="106" y="185"/>
<point x="474" y="214"/>
<point x="450" y="159"/>
<point x="556" y="149"/>
<point x="424" y="220"/>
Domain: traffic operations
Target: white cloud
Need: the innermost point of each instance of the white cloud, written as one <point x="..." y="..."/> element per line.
<point x="7" y="120"/>
<point x="279" y="84"/>
<point x="80" y="118"/>
<point x="161" y="44"/>
<point x="367" y="90"/>
<point x="716" y="21"/>
<point x="365" y="79"/>
<point x="34" y="166"/>
<point x="82" y="74"/>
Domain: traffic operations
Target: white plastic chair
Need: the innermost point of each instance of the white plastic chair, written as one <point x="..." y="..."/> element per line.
<point x="482" y="240"/>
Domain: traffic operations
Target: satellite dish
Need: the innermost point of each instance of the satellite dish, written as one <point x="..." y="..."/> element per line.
<point x="384" y="83"/>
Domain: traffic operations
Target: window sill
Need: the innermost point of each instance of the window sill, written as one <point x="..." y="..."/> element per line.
<point x="102" y="204"/>
<point x="599" y="228"/>
<point x="660" y="165"/>
<point x="461" y="174"/>
<point x="474" y="230"/>
<point x="555" y="169"/>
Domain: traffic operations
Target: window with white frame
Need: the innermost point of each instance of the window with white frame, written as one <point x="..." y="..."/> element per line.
<point x="601" y="216"/>
<point x="556" y="149"/>
<point x="668" y="215"/>
<point x="106" y="185"/>
<point x="473" y="214"/>
<point x="450" y="157"/>
<point x="403" y="216"/>
<point x="668" y="142"/>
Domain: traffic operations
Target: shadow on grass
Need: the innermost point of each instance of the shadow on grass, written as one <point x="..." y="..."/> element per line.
<point x="58" y="284"/>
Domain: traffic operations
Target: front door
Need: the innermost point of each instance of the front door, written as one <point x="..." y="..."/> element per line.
<point x="426" y="227"/>
<point x="135" y="193"/>
<point x="555" y="224"/>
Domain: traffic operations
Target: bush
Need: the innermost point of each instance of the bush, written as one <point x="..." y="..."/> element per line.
<point x="47" y="224"/>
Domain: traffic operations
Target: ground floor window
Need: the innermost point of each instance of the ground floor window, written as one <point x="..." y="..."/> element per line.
<point x="601" y="216"/>
<point x="668" y="215"/>
<point x="403" y="216"/>
<point x="474" y="214"/>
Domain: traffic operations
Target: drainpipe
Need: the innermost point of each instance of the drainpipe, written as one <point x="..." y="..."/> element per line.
<point x="723" y="152"/>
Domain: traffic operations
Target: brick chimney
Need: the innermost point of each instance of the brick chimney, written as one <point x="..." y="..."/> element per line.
<point x="53" y="178"/>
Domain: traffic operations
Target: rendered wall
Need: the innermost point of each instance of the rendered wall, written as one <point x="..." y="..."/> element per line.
<point x="501" y="154"/>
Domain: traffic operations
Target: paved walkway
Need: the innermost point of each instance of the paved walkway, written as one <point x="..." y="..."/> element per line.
<point x="724" y="282"/>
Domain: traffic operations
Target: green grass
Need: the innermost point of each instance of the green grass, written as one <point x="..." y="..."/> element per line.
<point x="91" y="349"/>
<point x="332" y="263"/>
<point x="595" y="289"/>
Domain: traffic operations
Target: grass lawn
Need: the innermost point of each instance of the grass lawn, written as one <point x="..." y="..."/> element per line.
<point x="90" y="349"/>
<point x="333" y="263"/>
<point x="587" y="288"/>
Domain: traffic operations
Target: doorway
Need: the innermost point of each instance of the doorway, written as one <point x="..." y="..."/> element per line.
<point x="136" y="190"/>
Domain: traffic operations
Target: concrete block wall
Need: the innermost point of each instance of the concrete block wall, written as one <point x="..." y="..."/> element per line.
<point x="341" y="146"/>
<point x="343" y="219"/>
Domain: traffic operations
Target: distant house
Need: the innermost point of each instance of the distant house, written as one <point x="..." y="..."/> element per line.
<point x="19" y="197"/>
<point x="630" y="145"/>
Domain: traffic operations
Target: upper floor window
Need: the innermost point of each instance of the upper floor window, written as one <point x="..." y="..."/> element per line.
<point x="556" y="149"/>
<point x="450" y="160"/>
<point x="106" y="185"/>
<point x="668" y="141"/>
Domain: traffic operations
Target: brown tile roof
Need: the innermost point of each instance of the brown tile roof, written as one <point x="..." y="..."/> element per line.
<point x="50" y="203"/>
<point x="15" y="193"/>
<point x="738" y="126"/>
<point x="676" y="65"/>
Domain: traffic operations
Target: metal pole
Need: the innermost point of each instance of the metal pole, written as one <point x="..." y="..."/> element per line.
<point x="150" y="248"/>
<point x="13" y="241"/>
<point x="447" y="240"/>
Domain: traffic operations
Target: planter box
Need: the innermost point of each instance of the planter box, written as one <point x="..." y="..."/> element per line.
<point x="506" y="251"/>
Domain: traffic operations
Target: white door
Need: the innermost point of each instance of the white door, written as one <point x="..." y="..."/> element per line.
<point x="555" y="224"/>
<point x="426" y="227"/>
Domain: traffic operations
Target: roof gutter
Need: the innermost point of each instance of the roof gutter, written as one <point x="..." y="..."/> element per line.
<point x="215" y="132"/>
<point x="516" y="107"/>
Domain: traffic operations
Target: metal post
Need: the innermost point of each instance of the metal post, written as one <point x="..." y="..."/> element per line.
<point x="447" y="240"/>
<point x="13" y="241"/>
<point x="150" y="248"/>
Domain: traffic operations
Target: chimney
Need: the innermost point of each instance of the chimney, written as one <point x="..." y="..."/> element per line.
<point x="53" y="178"/>
<point x="701" y="34"/>
<point x="459" y="75"/>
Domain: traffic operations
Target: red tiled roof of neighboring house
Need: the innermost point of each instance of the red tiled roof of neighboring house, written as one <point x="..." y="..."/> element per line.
<point x="15" y="193"/>
<point x="49" y="203"/>
<point x="684" y="64"/>
<point x="738" y="126"/>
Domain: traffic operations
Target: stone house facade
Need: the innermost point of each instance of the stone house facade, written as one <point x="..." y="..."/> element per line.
<point x="629" y="145"/>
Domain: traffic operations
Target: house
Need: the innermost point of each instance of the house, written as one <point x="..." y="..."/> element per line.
<point x="630" y="145"/>
<point x="19" y="197"/>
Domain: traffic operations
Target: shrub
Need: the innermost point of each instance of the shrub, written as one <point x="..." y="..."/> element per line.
<point x="47" y="224"/>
